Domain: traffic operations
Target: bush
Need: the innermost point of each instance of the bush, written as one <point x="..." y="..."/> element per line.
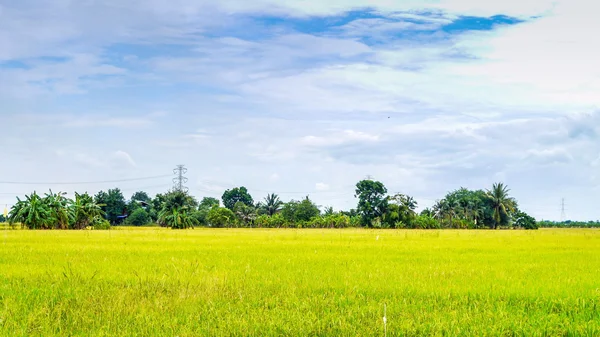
<point x="139" y="217"/>
<point x="526" y="221"/>
<point x="426" y="222"/>
<point x="220" y="217"/>
<point x="337" y="221"/>
<point x="100" y="224"/>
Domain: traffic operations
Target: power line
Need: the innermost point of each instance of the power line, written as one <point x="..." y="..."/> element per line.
<point x="82" y="182"/>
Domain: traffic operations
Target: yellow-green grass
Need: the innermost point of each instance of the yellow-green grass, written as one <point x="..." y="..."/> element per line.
<point x="299" y="282"/>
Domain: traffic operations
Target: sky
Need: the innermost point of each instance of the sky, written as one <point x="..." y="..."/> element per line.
<point x="304" y="98"/>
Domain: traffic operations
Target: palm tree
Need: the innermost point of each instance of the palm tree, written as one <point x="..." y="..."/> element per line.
<point x="501" y="202"/>
<point x="176" y="218"/>
<point x="272" y="204"/>
<point x="245" y="213"/>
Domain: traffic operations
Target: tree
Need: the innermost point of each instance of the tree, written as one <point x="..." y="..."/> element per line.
<point x="141" y="196"/>
<point x="85" y="210"/>
<point x="139" y="200"/>
<point x="231" y="197"/>
<point x="176" y="217"/>
<point x="60" y="212"/>
<point x="272" y="204"/>
<point x="139" y="217"/>
<point x="524" y="220"/>
<point x="208" y="203"/>
<point x="220" y="217"/>
<point x="114" y="205"/>
<point x="300" y="211"/>
<point x="400" y="211"/>
<point x="372" y="202"/>
<point x="176" y="210"/>
<point x="502" y="204"/>
<point x="246" y="214"/>
<point x="32" y="213"/>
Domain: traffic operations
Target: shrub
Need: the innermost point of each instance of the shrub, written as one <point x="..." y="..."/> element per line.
<point x="139" y="217"/>
<point x="99" y="223"/>
<point x="220" y="217"/>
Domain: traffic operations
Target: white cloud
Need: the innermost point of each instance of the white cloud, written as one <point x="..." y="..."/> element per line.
<point x="122" y="159"/>
<point x="321" y="187"/>
<point x="339" y="137"/>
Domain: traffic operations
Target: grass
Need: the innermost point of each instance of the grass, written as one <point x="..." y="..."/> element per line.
<point x="251" y="282"/>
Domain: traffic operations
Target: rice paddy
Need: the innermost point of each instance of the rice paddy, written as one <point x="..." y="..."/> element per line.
<point x="299" y="282"/>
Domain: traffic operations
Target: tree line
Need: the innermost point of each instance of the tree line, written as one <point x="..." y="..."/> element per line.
<point x="569" y="224"/>
<point x="459" y="209"/>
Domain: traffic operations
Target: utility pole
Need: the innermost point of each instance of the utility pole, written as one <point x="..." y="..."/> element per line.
<point x="180" y="179"/>
<point x="562" y="211"/>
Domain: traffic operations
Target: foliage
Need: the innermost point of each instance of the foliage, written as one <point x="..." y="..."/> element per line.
<point x="238" y="194"/>
<point x="177" y="210"/>
<point x="220" y="217"/>
<point x="114" y="205"/>
<point x="139" y="200"/>
<point x="524" y="220"/>
<point x="176" y="218"/>
<point x="271" y="205"/>
<point x="502" y="204"/>
<point x="400" y="211"/>
<point x="32" y="213"/>
<point x="372" y="202"/>
<point x="206" y="204"/>
<point x="173" y="204"/>
<point x="459" y="209"/>
<point x="99" y="223"/>
<point x="245" y="214"/>
<point x="85" y="210"/>
<point x="300" y="211"/>
<point x="568" y="224"/>
<point x="54" y="211"/>
<point x="139" y="217"/>
<point x="426" y="221"/>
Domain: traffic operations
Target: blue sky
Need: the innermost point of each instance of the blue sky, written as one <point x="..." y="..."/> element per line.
<point x="304" y="97"/>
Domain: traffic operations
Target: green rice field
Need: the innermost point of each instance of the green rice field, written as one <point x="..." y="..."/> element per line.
<point x="299" y="282"/>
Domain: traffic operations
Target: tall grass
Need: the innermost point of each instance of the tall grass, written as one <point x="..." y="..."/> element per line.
<point x="209" y="282"/>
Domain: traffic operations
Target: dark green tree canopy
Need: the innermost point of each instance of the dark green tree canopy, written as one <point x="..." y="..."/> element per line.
<point x="139" y="217"/>
<point x="271" y="205"/>
<point x="208" y="203"/>
<point x="298" y="211"/>
<point x="372" y="201"/>
<point x="114" y="204"/>
<point x="238" y="194"/>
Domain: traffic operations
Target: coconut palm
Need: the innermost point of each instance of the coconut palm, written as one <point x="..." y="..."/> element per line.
<point x="272" y="204"/>
<point x="501" y="202"/>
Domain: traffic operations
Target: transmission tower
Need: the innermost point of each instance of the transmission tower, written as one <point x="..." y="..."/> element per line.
<point x="180" y="179"/>
<point x="562" y="211"/>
